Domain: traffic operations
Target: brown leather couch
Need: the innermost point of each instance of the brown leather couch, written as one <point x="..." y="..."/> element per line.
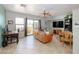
<point x="42" y="36"/>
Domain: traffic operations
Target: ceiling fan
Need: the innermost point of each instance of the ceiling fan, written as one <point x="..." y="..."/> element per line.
<point x="45" y="13"/>
<point x="23" y="5"/>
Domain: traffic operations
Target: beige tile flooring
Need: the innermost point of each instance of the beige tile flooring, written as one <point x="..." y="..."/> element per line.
<point x="30" y="45"/>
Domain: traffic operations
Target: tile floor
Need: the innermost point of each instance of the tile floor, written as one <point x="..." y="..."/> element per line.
<point x="30" y="45"/>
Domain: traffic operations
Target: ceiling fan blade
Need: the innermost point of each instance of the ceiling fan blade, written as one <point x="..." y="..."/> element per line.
<point x="46" y="13"/>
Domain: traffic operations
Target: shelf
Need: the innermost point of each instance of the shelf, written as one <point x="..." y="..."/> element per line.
<point x="68" y="24"/>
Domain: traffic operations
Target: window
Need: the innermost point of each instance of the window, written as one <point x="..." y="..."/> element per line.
<point x="19" y="23"/>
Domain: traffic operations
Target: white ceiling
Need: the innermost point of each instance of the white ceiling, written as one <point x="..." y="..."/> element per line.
<point x="37" y="9"/>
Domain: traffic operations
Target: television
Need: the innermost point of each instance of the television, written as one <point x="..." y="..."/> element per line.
<point x="54" y="24"/>
<point x="58" y="24"/>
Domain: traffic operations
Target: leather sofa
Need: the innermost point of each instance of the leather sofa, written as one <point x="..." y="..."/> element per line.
<point x="43" y="36"/>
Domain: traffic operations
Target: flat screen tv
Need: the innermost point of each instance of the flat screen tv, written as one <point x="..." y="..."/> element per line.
<point x="58" y="24"/>
<point x="54" y="24"/>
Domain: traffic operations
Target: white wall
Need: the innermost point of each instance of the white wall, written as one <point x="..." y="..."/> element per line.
<point x="76" y="31"/>
<point x="60" y="18"/>
<point x="12" y="15"/>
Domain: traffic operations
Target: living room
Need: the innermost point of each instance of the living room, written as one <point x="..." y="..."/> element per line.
<point x="50" y="27"/>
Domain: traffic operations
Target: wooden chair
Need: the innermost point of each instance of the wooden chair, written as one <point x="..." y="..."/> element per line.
<point x="66" y="37"/>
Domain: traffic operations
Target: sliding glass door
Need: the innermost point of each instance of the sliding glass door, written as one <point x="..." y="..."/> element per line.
<point x="31" y="26"/>
<point x="35" y="25"/>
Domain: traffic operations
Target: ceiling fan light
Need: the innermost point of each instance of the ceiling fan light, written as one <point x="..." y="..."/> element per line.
<point x="23" y="5"/>
<point x="46" y="14"/>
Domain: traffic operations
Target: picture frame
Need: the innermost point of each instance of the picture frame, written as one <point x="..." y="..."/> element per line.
<point x="10" y="22"/>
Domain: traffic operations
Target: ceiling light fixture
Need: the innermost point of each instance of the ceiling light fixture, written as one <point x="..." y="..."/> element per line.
<point x="23" y="5"/>
<point x="45" y="13"/>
